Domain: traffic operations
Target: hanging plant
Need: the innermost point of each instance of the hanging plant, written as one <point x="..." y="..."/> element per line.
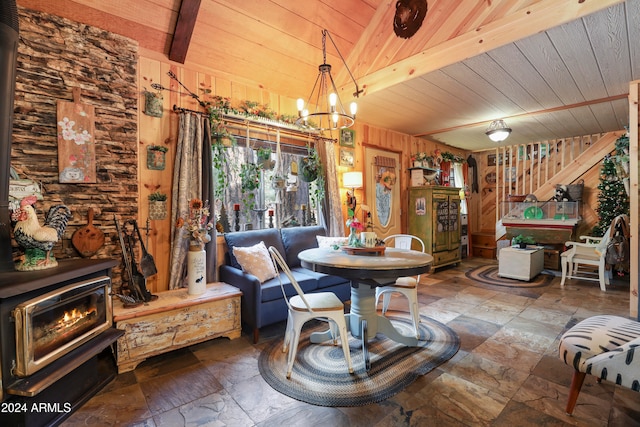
<point x="311" y="172"/>
<point x="219" y="160"/>
<point x="278" y="182"/>
<point x="249" y="181"/>
<point x="264" y="158"/>
<point x="311" y="165"/>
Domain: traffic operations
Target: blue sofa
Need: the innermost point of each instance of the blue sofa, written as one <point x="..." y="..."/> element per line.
<point x="263" y="303"/>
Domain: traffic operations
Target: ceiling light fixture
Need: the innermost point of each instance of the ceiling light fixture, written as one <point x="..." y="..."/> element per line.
<point x="329" y="113"/>
<point x="498" y="131"/>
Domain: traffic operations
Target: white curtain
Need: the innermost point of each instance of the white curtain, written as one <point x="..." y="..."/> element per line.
<point x="331" y="211"/>
<point x="190" y="177"/>
<point x="459" y="180"/>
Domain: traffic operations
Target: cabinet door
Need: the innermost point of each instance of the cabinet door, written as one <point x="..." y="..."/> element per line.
<point x="454" y="222"/>
<point x="441" y="220"/>
<point x="420" y="217"/>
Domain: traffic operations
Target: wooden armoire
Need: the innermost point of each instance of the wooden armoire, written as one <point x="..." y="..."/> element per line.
<point x="434" y="216"/>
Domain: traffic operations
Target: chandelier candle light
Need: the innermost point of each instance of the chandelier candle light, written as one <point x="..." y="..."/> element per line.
<point x="329" y="113"/>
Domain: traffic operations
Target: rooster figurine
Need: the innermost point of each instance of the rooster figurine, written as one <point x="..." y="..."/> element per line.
<point x="37" y="240"/>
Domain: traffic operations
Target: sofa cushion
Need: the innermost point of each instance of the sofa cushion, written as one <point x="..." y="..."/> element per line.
<point x="270" y="237"/>
<point x="255" y="260"/>
<point x="324" y="280"/>
<point x="271" y="288"/>
<point x="297" y="239"/>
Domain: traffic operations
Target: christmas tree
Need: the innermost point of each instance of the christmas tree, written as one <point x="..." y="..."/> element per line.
<point x="613" y="199"/>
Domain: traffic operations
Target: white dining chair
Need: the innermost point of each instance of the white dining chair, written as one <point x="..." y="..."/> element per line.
<point x="407" y="286"/>
<point x="304" y="307"/>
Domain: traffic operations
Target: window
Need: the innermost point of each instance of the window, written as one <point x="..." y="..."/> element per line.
<point x="287" y="204"/>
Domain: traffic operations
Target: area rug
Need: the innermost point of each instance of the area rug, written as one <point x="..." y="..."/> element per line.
<point x="488" y="274"/>
<point x="320" y="375"/>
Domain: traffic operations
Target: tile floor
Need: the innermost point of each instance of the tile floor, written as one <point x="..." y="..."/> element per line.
<point x="506" y="373"/>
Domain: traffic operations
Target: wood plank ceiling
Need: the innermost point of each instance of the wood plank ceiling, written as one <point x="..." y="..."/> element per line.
<point x="551" y="69"/>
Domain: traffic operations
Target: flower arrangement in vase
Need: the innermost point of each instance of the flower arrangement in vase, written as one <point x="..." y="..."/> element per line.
<point x="355" y="227"/>
<point x="197" y="223"/>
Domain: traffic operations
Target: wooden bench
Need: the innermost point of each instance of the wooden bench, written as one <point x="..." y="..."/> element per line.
<point x="174" y="321"/>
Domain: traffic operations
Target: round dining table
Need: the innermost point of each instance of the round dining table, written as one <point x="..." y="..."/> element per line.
<point x="366" y="271"/>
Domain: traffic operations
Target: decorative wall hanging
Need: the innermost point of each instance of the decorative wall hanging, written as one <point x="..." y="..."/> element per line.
<point x="153" y="103"/>
<point x="347" y="157"/>
<point x="156" y="157"/>
<point x="76" y="145"/>
<point x="408" y="17"/>
<point x="347" y="138"/>
<point x="385" y="170"/>
<point x="157" y="205"/>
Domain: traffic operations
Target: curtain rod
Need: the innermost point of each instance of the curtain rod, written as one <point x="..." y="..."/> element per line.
<point x="186" y="110"/>
<point x="265" y="128"/>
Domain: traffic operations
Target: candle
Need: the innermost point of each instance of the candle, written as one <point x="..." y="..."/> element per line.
<point x="236" y="207"/>
<point x="303" y="207"/>
<point x="270" y="212"/>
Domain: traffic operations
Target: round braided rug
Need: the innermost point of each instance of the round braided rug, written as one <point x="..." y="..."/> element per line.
<point x="320" y="375"/>
<point x="488" y="274"/>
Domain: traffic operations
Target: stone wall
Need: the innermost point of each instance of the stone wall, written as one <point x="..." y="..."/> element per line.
<point x="56" y="55"/>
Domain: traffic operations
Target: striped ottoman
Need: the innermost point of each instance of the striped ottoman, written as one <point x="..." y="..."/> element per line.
<point x="604" y="346"/>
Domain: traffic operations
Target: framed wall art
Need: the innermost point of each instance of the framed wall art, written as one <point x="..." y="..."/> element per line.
<point x="347" y="138"/>
<point x="347" y="157"/>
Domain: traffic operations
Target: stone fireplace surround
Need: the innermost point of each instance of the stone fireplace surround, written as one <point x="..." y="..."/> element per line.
<point x="52" y="393"/>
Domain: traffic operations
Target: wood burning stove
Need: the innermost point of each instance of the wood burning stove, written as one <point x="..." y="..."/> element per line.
<point x="55" y="333"/>
<point x="53" y="324"/>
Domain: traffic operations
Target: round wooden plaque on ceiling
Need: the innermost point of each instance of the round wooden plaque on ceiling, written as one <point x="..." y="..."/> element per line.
<point x="409" y="16"/>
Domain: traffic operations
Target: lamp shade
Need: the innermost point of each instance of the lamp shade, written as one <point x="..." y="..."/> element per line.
<point x="352" y="179"/>
<point x="498" y="131"/>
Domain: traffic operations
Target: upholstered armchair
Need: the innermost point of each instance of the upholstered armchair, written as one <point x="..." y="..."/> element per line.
<point x="607" y="347"/>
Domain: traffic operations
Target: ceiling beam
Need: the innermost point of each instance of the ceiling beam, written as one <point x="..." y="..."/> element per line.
<point x="522" y="23"/>
<point x="184" y="29"/>
<point x="527" y="114"/>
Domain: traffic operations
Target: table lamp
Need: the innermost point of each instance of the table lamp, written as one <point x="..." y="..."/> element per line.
<point x="352" y="180"/>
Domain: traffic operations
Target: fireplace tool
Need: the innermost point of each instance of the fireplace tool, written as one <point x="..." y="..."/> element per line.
<point x="137" y="282"/>
<point x="147" y="264"/>
<point x="138" y="277"/>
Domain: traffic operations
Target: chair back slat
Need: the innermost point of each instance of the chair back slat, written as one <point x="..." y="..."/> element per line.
<point x="404" y="241"/>
<point x="280" y="263"/>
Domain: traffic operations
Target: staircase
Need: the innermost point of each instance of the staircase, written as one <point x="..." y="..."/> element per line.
<point x="562" y="161"/>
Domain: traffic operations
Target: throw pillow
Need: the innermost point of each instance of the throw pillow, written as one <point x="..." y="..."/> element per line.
<point x="329" y="242"/>
<point x="256" y="260"/>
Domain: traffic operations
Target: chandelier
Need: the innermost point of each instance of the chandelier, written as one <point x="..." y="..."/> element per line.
<point x="498" y="131"/>
<point x="329" y="112"/>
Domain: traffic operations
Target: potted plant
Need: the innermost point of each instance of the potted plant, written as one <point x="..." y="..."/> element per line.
<point x="311" y="165"/>
<point x="264" y="158"/>
<point x="157" y="205"/>
<point x="278" y="182"/>
<point x="522" y="241"/>
<point x="156" y="157"/>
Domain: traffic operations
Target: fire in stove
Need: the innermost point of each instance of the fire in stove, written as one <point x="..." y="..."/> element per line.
<point x="53" y="324"/>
